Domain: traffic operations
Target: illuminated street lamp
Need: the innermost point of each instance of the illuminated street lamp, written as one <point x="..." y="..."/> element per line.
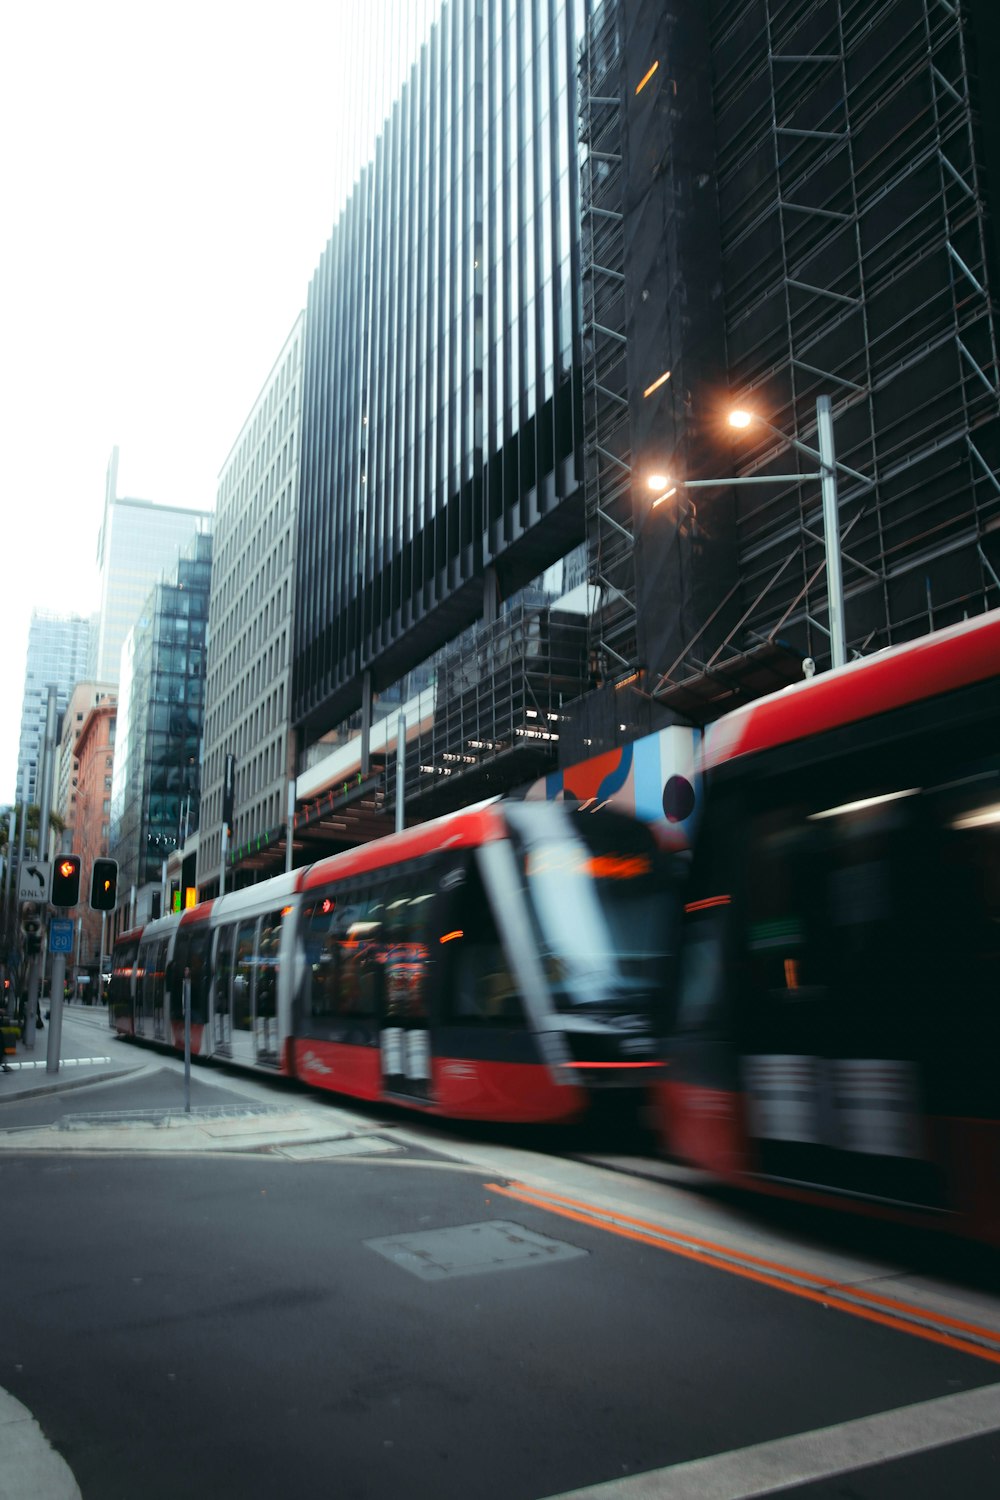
<point x="741" y="419"/>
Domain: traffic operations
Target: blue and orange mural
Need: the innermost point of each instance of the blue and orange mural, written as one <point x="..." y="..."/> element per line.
<point x="653" y="779"/>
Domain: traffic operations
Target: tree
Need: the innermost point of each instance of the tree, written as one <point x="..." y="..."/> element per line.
<point x="56" y="824"/>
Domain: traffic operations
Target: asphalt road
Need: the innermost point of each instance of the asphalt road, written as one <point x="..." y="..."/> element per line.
<point x="275" y="1297"/>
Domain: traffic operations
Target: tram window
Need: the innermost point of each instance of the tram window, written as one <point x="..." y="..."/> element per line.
<point x="833" y="920"/>
<point x="190" y="957"/>
<point x="267" y="964"/>
<point x="320" y="969"/>
<point x="482" y="988"/>
<point x="405" y="952"/>
<point x="604" y="901"/>
<point x="357" y="930"/>
<point x="243" y="969"/>
<point x="963" y="877"/>
<point x="341" y="935"/>
<point x="144" y="986"/>
<point x="224" y="968"/>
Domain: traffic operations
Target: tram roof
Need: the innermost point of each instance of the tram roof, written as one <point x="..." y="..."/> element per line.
<point x="923" y="668"/>
<point x="465" y="829"/>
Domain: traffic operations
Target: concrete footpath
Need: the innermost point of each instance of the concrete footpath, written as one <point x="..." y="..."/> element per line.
<point x="90" y="1053"/>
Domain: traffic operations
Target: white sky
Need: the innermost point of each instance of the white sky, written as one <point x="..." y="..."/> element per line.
<point x="169" y="178"/>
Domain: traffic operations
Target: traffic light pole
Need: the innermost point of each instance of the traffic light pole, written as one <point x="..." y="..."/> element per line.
<point x="57" y="985"/>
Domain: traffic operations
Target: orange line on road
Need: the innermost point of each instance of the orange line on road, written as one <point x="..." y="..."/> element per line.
<point x="992" y="1335"/>
<point x="685" y="1247"/>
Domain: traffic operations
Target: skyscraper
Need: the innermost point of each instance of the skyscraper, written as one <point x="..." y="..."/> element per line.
<point x="440" y="469"/>
<point x="161" y="698"/>
<point x="138" y="542"/>
<point x="57" y="653"/>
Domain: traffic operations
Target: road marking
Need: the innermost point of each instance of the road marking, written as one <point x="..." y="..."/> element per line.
<point x="767" y="1468"/>
<point x="64" y="1062"/>
<point x="904" y="1317"/>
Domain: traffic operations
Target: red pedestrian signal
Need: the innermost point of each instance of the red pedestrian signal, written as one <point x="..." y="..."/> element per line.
<point x="66" y="880"/>
<point x="104" y="885"/>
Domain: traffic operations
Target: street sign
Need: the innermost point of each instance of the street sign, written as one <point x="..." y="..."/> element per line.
<point x="34" y="880"/>
<point x="60" y="935"/>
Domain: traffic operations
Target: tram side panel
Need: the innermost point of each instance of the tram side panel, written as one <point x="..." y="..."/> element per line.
<point x="838" y="1025"/>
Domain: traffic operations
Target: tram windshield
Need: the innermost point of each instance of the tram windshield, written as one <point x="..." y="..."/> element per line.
<point x="604" y="901"/>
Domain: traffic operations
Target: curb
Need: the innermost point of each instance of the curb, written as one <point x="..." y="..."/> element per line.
<point x="64" y="1084"/>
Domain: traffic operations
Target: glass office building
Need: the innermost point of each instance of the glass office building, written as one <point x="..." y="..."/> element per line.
<point x="58" y="649"/>
<point x="138" y="542"/>
<point x="439" y="472"/>
<point x="155" y="786"/>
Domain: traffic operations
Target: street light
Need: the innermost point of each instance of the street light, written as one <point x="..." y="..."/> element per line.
<point x="741" y="419"/>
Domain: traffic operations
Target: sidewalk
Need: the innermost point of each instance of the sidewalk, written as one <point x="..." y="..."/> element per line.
<point x="89" y="1053"/>
<point x="141" y="1106"/>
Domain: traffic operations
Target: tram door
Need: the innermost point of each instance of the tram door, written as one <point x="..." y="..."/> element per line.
<point x="144" y="991"/>
<point x="266" y="989"/>
<point x="222" y="1016"/>
<point x="835" y="1029"/>
<point x="158" y="964"/>
<point x="242" y="1033"/>
<point x="401" y="920"/>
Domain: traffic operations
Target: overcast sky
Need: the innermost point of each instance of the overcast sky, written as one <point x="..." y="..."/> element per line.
<point x="170" y="176"/>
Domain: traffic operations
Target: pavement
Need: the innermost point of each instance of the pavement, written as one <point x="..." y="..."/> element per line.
<point x="90" y="1053"/>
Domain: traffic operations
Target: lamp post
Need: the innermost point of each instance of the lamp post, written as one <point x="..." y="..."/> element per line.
<point x="826" y="474"/>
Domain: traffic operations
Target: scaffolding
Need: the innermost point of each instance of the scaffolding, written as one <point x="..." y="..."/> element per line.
<point x="849" y="145"/>
<point x="857" y="265"/>
<point x="607" y="437"/>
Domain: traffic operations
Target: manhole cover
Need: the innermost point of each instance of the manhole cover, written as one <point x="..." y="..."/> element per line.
<point x="472" y="1250"/>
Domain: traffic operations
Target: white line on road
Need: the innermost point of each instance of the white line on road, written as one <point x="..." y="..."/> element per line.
<point x="768" y="1468"/>
<point x="64" y="1062"/>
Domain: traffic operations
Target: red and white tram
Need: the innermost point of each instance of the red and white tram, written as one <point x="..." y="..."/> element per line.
<point x="837" y="1037"/>
<point x="498" y="964"/>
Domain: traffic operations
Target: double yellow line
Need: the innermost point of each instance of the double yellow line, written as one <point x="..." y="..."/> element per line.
<point x="890" y="1312"/>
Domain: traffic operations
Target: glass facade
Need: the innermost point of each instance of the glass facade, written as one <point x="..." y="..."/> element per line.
<point x="57" y="653"/>
<point x="139" y="543"/>
<point x="440" y="396"/>
<point x="155" y="786"/>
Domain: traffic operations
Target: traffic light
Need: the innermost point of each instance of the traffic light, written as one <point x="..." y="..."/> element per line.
<point x="66" y="880"/>
<point x="31" y="926"/>
<point x="104" y="885"/>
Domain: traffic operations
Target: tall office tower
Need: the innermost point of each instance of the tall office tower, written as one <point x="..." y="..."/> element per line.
<point x="250" y="619"/>
<point x="138" y="543"/>
<point x="805" y="211"/>
<point x="57" y="653"/>
<point x="440" y="465"/>
<point x="161" y="698"/>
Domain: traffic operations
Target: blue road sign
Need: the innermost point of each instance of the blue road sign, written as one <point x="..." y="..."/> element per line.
<point x="60" y="936"/>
